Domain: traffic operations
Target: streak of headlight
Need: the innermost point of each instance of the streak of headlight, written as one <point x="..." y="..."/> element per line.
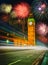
<point x="16" y="32"/>
<point x="27" y="47"/>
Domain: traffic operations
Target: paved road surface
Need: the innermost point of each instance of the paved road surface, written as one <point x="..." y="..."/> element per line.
<point x="19" y="57"/>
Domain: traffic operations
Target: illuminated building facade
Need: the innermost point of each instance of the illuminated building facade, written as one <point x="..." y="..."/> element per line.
<point x="31" y="34"/>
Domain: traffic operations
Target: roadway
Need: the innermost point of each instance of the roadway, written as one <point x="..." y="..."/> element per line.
<point x="19" y="57"/>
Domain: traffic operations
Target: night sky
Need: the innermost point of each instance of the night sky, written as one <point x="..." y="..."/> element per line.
<point x="13" y="2"/>
<point x="16" y="1"/>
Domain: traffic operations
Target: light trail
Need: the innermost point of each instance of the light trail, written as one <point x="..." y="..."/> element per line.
<point x="14" y="62"/>
<point x="10" y="29"/>
<point x="21" y="48"/>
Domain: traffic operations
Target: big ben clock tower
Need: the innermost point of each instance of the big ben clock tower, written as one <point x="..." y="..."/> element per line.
<point x="31" y="31"/>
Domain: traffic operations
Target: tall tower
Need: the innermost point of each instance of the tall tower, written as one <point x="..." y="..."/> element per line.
<point x="31" y="31"/>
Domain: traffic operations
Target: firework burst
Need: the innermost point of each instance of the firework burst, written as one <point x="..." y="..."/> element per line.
<point x="41" y="29"/>
<point x="40" y="9"/>
<point x="22" y="10"/>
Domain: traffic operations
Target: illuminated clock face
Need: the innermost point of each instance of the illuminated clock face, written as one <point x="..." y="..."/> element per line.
<point x="30" y="23"/>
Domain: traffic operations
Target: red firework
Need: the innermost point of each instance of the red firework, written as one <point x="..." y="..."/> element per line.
<point x="5" y="18"/>
<point x="22" y="10"/>
<point x="43" y="39"/>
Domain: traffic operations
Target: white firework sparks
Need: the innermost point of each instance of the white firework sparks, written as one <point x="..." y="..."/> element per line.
<point x="41" y="29"/>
